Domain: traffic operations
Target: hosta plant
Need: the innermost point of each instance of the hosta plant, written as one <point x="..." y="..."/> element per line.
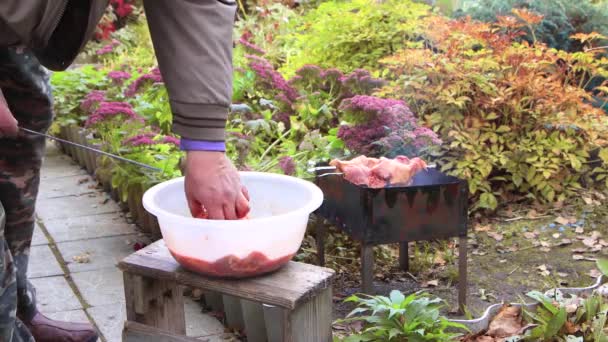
<point x="415" y="317"/>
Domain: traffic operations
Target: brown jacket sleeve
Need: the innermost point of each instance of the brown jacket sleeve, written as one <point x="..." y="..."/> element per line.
<point x="193" y="44"/>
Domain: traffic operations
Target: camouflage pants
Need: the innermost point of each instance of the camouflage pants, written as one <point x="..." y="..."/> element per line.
<point x="24" y="83"/>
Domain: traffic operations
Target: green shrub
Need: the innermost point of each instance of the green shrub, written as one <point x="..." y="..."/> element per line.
<point x="353" y="34"/>
<point x="562" y="18"/>
<point x="416" y="317"/>
<point x="515" y="119"/>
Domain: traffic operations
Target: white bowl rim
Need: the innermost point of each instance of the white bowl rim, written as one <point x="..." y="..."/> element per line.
<point x="317" y="199"/>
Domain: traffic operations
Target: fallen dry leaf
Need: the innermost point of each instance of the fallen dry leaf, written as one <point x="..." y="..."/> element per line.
<point x="556" y="235"/>
<point x="545" y="244"/>
<point x="83" y="258"/>
<point x="596" y="235"/>
<point x="532" y="214"/>
<point x="430" y="283"/>
<point x="587" y="200"/>
<point x="589" y="242"/>
<point x="562" y="274"/>
<point x="562" y="220"/>
<point x="578" y="257"/>
<point x="483" y="228"/>
<point x="594" y="273"/>
<point x="545" y="249"/>
<point x="506" y="323"/>
<point x="542" y="269"/>
<point x="579" y="230"/>
<point x="530" y="235"/>
<point x="439" y="259"/>
<point x="565" y="242"/>
<point x="603" y="242"/>
<point x="495" y="236"/>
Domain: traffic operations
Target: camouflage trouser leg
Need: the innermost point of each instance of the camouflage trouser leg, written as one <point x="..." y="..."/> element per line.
<point x="24" y="83"/>
<point x="11" y="328"/>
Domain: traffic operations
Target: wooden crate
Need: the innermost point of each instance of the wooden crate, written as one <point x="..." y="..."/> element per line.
<point x="296" y="301"/>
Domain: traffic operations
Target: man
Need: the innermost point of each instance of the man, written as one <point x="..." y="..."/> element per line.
<point x="193" y="44"/>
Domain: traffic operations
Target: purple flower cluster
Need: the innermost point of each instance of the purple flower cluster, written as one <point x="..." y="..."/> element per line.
<point x="360" y="81"/>
<point x="288" y="165"/>
<point x="118" y="77"/>
<point x="153" y="77"/>
<point x="92" y="99"/>
<point x="379" y="126"/>
<point x="112" y="109"/>
<point x="150" y="138"/>
<point x="108" y="48"/>
<point x="250" y="47"/>
<point x="270" y="78"/>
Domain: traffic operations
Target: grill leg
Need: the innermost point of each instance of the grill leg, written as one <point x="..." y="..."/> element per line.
<point x="321" y="232"/>
<point x="367" y="268"/>
<point x="462" y="274"/>
<point x="404" y="257"/>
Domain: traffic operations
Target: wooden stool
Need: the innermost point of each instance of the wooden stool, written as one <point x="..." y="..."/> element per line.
<point x="295" y="301"/>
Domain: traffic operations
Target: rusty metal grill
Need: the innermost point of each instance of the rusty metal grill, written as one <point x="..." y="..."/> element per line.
<point x="434" y="206"/>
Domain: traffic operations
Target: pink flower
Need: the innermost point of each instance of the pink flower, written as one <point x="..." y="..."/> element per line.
<point x="108" y="48"/>
<point x="150" y="138"/>
<point x="250" y="46"/>
<point x="287" y="165"/>
<point x="270" y="78"/>
<point x="91" y="99"/>
<point x="153" y="77"/>
<point x="112" y="109"/>
<point x="118" y="77"/>
<point x="171" y="140"/>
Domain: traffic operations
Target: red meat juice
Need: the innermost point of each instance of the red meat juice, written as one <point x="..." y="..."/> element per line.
<point x="231" y="266"/>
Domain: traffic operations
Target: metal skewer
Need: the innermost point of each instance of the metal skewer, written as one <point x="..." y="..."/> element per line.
<point x="92" y="149"/>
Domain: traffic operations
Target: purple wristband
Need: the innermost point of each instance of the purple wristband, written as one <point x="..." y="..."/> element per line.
<point x="202" y="145"/>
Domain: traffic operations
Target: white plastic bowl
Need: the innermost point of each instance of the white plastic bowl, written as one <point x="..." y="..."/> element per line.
<point x="280" y="208"/>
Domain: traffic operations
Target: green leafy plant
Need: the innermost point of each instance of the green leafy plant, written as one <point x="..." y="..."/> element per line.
<point x="516" y="119"/>
<point x="562" y="18"/>
<point x="416" y="317"/>
<point x="352" y="34"/>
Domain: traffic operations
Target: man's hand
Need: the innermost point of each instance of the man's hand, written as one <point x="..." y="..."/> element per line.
<point x="213" y="187"/>
<point x="8" y="124"/>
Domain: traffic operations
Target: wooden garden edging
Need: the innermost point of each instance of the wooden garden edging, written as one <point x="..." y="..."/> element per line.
<point x="101" y="169"/>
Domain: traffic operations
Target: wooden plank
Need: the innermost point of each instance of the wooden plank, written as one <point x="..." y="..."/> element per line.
<point x="253" y="315"/>
<point x="234" y="312"/>
<point x="214" y="300"/>
<point x="157" y="303"/>
<point x="292" y="284"/>
<point x="462" y="274"/>
<point x="311" y="322"/>
<point x="275" y="319"/>
<point x="367" y="268"/>
<point x="404" y="257"/>
<point x="137" y="332"/>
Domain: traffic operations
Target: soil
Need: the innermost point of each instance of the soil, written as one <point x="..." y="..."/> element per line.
<point x="505" y="261"/>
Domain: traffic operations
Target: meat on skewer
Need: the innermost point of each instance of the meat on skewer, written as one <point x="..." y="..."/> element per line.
<point x="379" y="173"/>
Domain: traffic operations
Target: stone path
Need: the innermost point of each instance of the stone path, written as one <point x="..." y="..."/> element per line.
<point x="80" y="235"/>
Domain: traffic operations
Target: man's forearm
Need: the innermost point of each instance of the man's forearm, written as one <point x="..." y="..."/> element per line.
<point x="193" y="44"/>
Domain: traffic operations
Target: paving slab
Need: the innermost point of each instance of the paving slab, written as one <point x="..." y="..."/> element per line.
<point x="54" y="294"/>
<point x="199" y="323"/>
<point x="87" y="227"/>
<point x="38" y="238"/>
<point x="100" y="287"/>
<point x="110" y="320"/>
<point x="67" y="186"/>
<point x="102" y="252"/>
<point x="74" y="206"/>
<point x="43" y="263"/>
<point x="52" y="149"/>
<point x="60" y="166"/>
<point x="69" y="316"/>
